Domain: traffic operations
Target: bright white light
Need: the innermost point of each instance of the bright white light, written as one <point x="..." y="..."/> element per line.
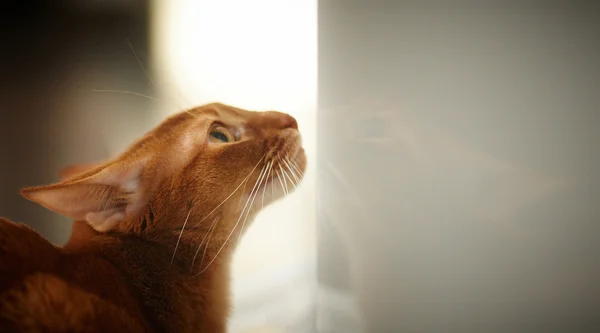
<point x="259" y="54"/>
<point x="255" y="53"/>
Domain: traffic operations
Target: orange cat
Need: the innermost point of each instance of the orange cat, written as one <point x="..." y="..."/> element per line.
<point x="165" y="217"/>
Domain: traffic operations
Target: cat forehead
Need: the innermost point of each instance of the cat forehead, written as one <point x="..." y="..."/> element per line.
<point x="242" y="120"/>
<point x="224" y="113"/>
<point x="200" y="117"/>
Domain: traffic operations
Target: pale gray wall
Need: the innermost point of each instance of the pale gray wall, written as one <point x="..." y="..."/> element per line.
<point x="460" y="165"/>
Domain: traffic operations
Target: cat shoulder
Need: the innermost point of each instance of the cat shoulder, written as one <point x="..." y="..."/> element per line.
<point x="23" y="250"/>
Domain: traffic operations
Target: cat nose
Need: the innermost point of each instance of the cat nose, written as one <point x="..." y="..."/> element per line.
<point x="282" y="120"/>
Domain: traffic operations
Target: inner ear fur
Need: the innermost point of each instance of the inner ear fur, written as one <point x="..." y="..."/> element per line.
<point x="112" y="193"/>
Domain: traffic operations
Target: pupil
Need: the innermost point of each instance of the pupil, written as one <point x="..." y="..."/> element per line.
<point x="219" y="136"/>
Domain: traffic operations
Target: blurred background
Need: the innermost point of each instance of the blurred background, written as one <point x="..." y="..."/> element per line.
<point x="454" y="183"/>
<point x="82" y="79"/>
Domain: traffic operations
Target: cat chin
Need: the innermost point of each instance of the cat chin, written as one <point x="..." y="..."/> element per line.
<point x="300" y="159"/>
<point x="294" y="147"/>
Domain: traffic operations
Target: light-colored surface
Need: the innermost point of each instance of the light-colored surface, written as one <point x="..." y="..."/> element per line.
<point x="478" y="184"/>
<point x="255" y="55"/>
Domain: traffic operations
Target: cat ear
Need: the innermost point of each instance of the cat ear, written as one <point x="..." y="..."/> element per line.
<point x="77" y="169"/>
<point x="103" y="199"/>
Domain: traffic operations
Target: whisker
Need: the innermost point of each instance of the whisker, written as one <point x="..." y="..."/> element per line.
<point x="284" y="179"/>
<point x="150" y="78"/>
<point x="253" y="195"/>
<point x="250" y="208"/>
<point x="262" y="202"/>
<point x="236" y="224"/>
<point x="288" y="176"/>
<point x="125" y="92"/>
<point x="211" y="232"/>
<point x="293" y="178"/>
<point x="244" y="181"/>
<point x="273" y="186"/>
<point x="284" y="174"/>
<point x="190" y="113"/>
<point x="140" y="62"/>
<point x="265" y="188"/>
<point x="291" y="170"/>
<point x="280" y="181"/>
<point x="297" y="174"/>
<point x="236" y="189"/>
<point x="296" y="167"/>
<point x="208" y="235"/>
<point x="242" y="197"/>
<point x="181" y="233"/>
<point x="288" y="163"/>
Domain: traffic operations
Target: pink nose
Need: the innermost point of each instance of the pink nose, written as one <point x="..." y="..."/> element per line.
<point x="281" y="120"/>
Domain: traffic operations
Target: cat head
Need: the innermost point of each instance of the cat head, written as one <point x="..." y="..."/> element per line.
<point x="209" y="163"/>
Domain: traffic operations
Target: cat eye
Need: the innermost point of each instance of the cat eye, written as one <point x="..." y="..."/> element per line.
<point x="219" y="134"/>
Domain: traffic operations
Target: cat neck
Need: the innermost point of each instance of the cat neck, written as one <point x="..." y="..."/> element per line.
<point x="177" y="296"/>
